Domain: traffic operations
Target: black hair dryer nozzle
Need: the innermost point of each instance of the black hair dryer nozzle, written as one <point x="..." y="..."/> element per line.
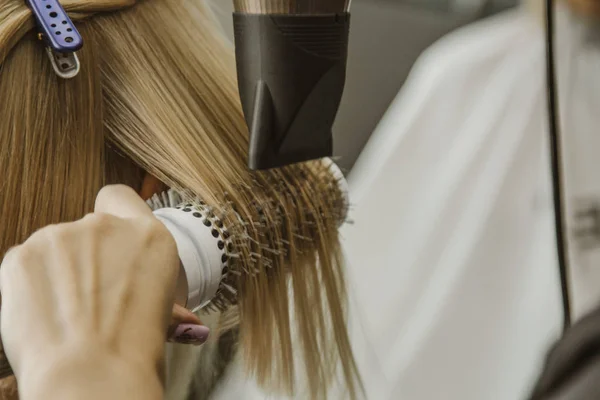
<point x="291" y="76"/>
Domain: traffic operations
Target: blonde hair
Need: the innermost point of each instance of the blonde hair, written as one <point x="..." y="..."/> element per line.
<point x="157" y="93"/>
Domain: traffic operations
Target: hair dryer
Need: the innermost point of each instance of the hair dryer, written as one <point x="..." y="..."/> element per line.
<point x="291" y="62"/>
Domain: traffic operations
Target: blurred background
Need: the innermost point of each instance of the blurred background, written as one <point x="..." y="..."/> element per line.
<point x="451" y="253"/>
<point x="387" y="36"/>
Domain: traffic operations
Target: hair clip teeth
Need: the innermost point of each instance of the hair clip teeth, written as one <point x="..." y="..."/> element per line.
<point x="65" y="65"/>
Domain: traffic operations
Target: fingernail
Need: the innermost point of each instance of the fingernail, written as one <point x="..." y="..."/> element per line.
<point x="190" y="334"/>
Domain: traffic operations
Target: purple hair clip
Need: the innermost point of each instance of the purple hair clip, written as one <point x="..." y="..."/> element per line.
<point x="62" y="39"/>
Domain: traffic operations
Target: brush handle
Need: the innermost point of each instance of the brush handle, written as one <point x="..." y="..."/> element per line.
<point x="201" y="251"/>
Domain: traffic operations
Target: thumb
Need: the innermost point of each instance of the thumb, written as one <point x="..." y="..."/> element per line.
<point x="121" y="201"/>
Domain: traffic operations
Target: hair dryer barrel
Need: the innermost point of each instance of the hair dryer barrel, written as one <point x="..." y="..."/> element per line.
<point x="291" y="77"/>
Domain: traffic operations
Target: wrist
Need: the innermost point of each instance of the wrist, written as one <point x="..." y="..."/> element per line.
<point x="90" y="375"/>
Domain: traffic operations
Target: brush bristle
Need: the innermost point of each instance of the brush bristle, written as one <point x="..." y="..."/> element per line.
<point x="291" y="6"/>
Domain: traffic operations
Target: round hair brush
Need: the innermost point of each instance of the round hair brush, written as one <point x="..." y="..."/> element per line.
<point x="209" y="243"/>
<point x="291" y="61"/>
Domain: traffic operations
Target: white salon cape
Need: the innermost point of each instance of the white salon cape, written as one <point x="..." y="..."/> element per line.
<point x="453" y="268"/>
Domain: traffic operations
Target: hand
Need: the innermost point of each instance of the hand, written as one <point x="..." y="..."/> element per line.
<point x="98" y="288"/>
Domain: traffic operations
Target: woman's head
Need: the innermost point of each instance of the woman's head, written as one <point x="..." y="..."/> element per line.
<point x="157" y="93"/>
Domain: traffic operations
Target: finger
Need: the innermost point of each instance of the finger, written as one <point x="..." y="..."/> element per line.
<point x="151" y="186"/>
<point x="190" y="334"/>
<point x="182" y="315"/>
<point x="121" y="201"/>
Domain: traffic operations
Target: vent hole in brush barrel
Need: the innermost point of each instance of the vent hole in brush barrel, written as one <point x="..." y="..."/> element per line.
<point x="197" y="215"/>
<point x="207" y="222"/>
<point x="215" y="233"/>
<point x="53" y="14"/>
<point x="69" y="39"/>
<point x="224" y="258"/>
<point x="187" y="209"/>
<point x="221" y="245"/>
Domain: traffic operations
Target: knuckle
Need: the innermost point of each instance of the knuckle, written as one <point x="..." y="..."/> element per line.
<point x="60" y="232"/>
<point x="19" y="256"/>
<point x="111" y="191"/>
<point x="98" y="220"/>
<point x="50" y="235"/>
<point x="59" y="238"/>
<point x="22" y="262"/>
